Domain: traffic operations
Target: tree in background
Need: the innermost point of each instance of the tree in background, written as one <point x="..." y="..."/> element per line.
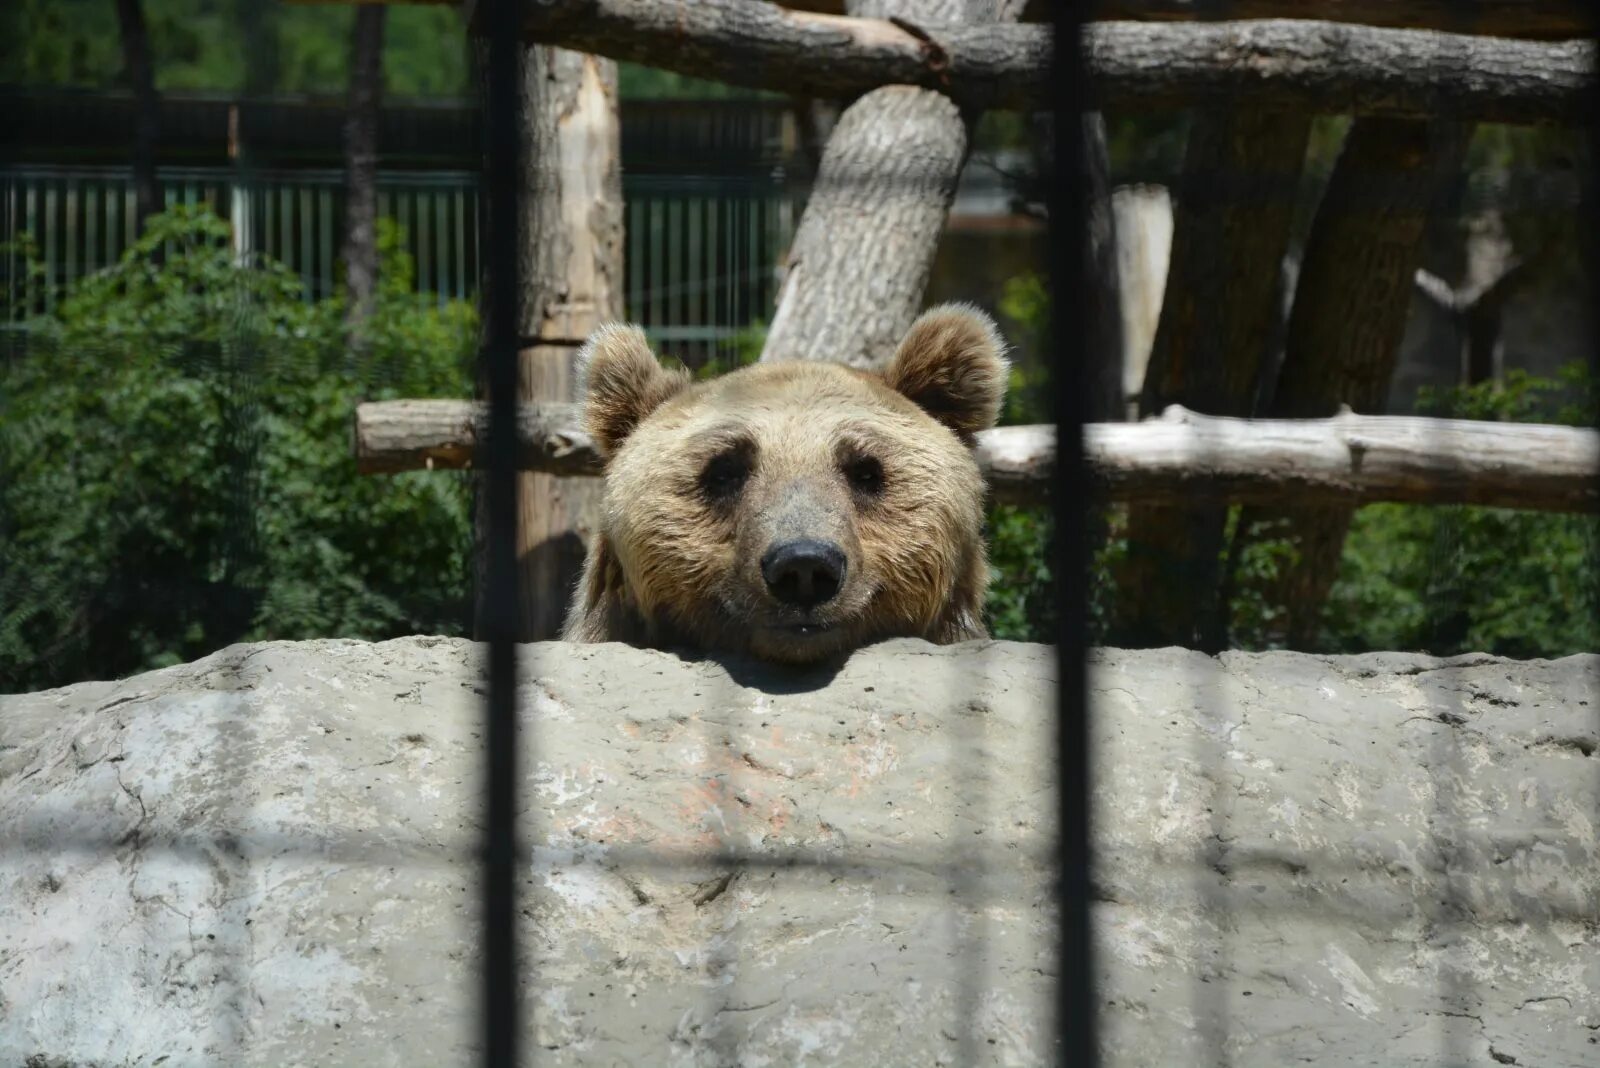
<point x="232" y="46"/>
<point x="361" y="171"/>
<point x="139" y="72"/>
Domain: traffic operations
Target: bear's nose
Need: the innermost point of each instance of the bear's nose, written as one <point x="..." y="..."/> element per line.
<point x="804" y="573"/>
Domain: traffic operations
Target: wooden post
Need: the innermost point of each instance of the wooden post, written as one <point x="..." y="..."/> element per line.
<point x="571" y="268"/>
<point x="860" y="260"/>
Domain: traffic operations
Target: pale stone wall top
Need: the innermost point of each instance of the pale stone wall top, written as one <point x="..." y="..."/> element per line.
<point x="264" y="858"/>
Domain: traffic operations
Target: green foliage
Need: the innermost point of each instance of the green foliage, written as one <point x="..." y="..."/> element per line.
<point x="211" y="45"/>
<point x="1021" y="602"/>
<point x="215" y="45"/>
<point x="1025" y="301"/>
<point x="175" y="471"/>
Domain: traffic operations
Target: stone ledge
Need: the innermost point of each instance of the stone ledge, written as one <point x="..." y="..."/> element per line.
<point x="264" y="858"/>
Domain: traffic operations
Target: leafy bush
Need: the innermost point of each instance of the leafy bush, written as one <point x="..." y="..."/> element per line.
<point x="175" y="469"/>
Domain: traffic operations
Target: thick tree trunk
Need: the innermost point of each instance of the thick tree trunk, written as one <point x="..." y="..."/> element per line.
<point x="139" y="70"/>
<point x="1291" y="64"/>
<point x="1349" y="316"/>
<point x="1180" y="456"/>
<point x="1232" y="215"/>
<point x="856" y="272"/>
<point x="571" y="269"/>
<point x="361" y="171"/>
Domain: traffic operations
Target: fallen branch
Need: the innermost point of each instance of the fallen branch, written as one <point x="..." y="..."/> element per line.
<point x="1290" y="63"/>
<point x="1181" y="456"/>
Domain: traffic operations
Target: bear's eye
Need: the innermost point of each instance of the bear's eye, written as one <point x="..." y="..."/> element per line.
<point x="865" y="474"/>
<point x="725" y="475"/>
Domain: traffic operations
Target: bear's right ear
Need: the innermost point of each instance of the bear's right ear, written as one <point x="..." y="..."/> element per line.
<point x="621" y="383"/>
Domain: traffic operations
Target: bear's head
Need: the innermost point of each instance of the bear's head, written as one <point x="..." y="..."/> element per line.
<point x="792" y="511"/>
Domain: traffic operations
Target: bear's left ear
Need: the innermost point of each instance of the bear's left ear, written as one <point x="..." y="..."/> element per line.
<point x="951" y="364"/>
<point x="621" y="382"/>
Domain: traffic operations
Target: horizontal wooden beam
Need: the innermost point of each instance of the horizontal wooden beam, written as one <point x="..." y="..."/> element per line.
<point x="1550" y="20"/>
<point x="1538" y="20"/>
<point x="1302" y="64"/>
<point x="1179" y="456"/>
<point x="1336" y="68"/>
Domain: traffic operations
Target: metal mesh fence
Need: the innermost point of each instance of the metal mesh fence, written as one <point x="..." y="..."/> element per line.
<point x="1451" y="199"/>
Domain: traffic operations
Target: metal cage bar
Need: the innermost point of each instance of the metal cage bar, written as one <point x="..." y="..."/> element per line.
<point x="1075" y="1002"/>
<point x="502" y="970"/>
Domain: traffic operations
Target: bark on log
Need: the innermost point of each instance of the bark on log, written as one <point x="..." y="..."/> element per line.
<point x="1296" y="64"/>
<point x="865" y="244"/>
<point x="761" y="45"/>
<point x="1329" y="67"/>
<point x="1534" y="19"/>
<point x="1346" y="326"/>
<point x="1232" y="216"/>
<point x="571" y="269"/>
<point x="862" y="253"/>
<point x="1357" y="459"/>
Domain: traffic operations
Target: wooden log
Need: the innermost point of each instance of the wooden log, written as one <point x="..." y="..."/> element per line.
<point x="1180" y="455"/>
<point x="1333" y="68"/>
<point x="1549" y="20"/>
<point x="570" y="269"/>
<point x="862" y="253"/>
<point x="1533" y="19"/>
<point x="1300" y="64"/>
<point x="861" y="256"/>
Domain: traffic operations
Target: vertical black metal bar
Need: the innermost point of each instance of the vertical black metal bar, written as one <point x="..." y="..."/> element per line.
<point x="1589" y="224"/>
<point x="1071" y="308"/>
<point x="501" y="992"/>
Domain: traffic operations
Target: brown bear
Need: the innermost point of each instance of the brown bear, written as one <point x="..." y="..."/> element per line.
<point x="791" y="511"/>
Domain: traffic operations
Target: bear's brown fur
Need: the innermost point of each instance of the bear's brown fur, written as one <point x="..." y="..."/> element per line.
<point x="792" y="511"/>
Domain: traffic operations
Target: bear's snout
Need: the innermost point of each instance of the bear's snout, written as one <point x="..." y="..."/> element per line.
<point x="804" y="573"/>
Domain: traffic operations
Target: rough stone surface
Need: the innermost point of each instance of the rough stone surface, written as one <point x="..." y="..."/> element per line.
<point x="264" y="858"/>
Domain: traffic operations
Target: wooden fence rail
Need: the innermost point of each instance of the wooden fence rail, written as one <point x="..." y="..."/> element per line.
<point x="1180" y="456"/>
<point x="1319" y="66"/>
